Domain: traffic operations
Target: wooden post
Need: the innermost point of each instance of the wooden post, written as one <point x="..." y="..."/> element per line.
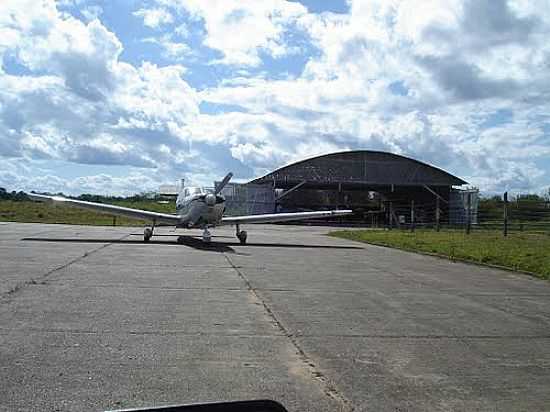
<point x="437" y="215"/>
<point x="114" y="220"/>
<point x="505" y="214"/>
<point x="468" y="213"/>
<point x="412" y="215"/>
<point x="391" y="215"/>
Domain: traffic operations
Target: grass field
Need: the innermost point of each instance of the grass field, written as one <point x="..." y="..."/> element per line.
<point x="519" y="251"/>
<point x="48" y="213"/>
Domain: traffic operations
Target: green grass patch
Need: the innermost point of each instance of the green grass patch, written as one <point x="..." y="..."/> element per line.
<point x="519" y="251"/>
<point x="27" y="211"/>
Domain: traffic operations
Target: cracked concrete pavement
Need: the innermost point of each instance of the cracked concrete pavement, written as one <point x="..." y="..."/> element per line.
<point x="91" y="318"/>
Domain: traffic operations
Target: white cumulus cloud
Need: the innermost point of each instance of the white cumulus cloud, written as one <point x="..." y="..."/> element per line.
<point x="154" y="17"/>
<point x="240" y="29"/>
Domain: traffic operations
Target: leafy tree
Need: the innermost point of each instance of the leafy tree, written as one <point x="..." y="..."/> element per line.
<point x="15" y="196"/>
<point x="20" y="196"/>
<point x="530" y="197"/>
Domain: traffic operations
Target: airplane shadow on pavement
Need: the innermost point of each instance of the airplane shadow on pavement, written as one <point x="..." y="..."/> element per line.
<point x="194" y="242"/>
<point x="188" y="241"/>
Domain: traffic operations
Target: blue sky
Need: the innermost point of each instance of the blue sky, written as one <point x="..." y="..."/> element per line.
<point x="118" y="97"/>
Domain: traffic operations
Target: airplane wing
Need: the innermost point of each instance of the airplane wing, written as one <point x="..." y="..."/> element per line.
<point x="110" y="209"/>
<point x="282" y="217"/>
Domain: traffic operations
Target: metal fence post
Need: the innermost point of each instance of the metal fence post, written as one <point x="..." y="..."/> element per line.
<point x="437" y="215"/>
<point x="412" y="215"/>
<point x="391" y="215"/>
<point x="469" y="214"/>
<point x="505" y="214"/>
<point x="114" y="220"/>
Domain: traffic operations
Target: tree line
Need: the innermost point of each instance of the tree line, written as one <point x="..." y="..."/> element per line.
<point x="17" y="196"/>
<point x="22" y="196"/>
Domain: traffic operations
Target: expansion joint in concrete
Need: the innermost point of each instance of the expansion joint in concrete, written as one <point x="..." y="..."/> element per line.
<point x="41" y="280"/>
<point x="328" y="388"/>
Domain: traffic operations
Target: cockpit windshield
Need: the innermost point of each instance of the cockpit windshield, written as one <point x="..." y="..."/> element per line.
<point x="191" y="191"/>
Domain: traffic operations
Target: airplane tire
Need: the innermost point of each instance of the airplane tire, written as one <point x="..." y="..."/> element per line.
<point x="147" y="233"/>
<point x="242" y="237"/>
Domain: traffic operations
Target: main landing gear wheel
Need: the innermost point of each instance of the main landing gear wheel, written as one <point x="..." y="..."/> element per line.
<point x="147" y="234"/>
<point x="242" y="236"/>
<point x="181" y="240"/>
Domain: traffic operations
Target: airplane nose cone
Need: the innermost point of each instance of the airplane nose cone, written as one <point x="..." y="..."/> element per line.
<point x="210" y="199"/>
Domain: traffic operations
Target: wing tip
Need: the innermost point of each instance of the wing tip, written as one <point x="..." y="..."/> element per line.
<point x="342" y="212"/>
<point x="45" y="198"/>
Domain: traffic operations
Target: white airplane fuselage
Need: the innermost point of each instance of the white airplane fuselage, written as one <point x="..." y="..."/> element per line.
<point x="198" y="207"/>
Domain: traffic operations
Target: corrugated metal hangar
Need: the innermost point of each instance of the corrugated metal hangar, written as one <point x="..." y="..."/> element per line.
<point x="382" y="187"/>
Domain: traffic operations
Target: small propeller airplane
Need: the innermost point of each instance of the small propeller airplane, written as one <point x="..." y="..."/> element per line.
<point x="195" y="208"/>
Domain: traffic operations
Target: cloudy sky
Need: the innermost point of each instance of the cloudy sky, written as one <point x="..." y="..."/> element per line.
<point x="120" y="96"/>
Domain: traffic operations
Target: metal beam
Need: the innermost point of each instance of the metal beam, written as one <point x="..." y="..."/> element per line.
<point x="435" y="193"/>
<point x="292" y="189"/>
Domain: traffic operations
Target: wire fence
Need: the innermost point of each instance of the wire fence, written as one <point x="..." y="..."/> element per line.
<point x="530" y="214"/>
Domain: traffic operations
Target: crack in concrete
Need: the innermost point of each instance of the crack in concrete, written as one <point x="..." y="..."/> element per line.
<point x="159" y="288"/>
<point x="328" y="387"/>
<point x="5" y="297"/>
<point x="7" y="331"/>
<point x="285" y="334"/>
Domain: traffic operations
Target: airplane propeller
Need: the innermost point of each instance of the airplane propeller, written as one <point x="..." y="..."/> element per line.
<point x="224" y="182"/>
<point x="212" y="199"/>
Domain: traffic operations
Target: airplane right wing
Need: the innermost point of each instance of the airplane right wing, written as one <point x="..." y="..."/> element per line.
<point x="282" y="217"/>
<point x="110" y="209"/>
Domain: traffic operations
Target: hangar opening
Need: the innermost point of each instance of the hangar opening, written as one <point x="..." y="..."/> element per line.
<point x="383" y="188"/>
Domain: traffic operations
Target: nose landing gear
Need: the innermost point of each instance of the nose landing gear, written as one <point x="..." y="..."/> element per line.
<point x="206" y="235"/>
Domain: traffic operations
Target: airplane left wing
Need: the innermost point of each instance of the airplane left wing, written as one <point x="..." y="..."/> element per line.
<point x="282" y="217"/>
<point x="110" y="209"/>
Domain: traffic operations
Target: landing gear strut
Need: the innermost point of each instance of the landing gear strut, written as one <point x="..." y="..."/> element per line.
<point x="148" y="233"/>
<point x="206" y="235"/>
<point x="241" y="235"/>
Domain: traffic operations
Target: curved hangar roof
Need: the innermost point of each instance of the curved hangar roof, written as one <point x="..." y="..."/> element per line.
<point x="360" y="167"/>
